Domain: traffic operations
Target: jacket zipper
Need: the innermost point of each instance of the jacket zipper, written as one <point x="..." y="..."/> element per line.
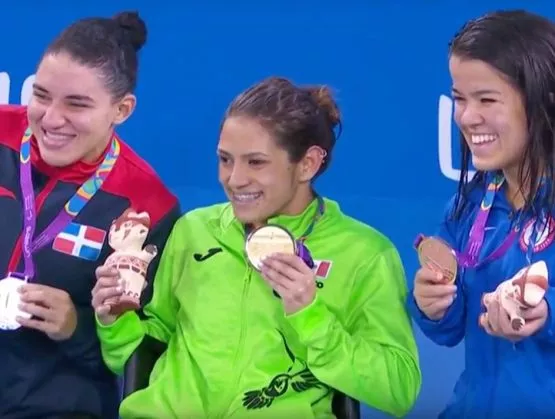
<point x="241" y="341"/>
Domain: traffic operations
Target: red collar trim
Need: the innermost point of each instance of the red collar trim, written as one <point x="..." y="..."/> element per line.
<point x="77" y="172"/>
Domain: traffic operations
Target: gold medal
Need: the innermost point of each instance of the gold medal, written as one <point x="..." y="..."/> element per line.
<point x="267" y="240"/>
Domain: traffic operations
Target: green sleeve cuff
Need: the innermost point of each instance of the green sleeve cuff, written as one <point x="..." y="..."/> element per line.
<point x="119" y="340"/>
<point x="313" y="322"/>
<point x="126" y="323"/>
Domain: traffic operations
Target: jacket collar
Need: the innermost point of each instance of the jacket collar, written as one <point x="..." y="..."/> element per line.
<point x="77" y="172"/>
<point x="233" y="231"/>
<point x="477" y="192"/>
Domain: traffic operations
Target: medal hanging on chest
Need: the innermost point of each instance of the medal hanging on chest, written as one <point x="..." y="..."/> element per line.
<point x="9" y="295"/>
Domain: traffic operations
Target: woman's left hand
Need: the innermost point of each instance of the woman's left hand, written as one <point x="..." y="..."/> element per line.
<point x="292" y="279"/>
<point x="496" y="321"/>
<point x="52" y="309"/>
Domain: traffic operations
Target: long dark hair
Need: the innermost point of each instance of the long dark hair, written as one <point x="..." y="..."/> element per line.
<point x="521" y="45"/>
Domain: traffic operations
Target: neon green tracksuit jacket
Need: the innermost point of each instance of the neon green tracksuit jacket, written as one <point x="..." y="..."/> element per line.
<point x="233" y="353"/>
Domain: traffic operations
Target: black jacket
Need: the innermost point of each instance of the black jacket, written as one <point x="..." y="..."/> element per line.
<point x="39" y="377"/>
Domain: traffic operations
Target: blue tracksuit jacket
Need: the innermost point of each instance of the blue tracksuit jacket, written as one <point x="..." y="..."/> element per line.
<point x="500" y="379"/>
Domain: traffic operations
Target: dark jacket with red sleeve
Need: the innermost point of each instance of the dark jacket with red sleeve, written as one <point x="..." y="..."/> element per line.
<point x="39" y="377"/>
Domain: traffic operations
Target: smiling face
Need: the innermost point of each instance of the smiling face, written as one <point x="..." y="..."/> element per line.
<point x="71" y="112"/>
<point x="490" y="114"/>
<point x="257" y="175"/>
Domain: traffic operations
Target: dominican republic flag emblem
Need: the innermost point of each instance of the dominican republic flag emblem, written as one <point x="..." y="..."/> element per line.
<point x="81" y="241"/>
<point x="322" y="268"/>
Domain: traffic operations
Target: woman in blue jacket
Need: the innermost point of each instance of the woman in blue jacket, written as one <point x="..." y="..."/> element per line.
<point x="502" y="67"/>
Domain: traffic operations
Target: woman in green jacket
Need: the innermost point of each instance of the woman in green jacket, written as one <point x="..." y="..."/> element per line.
<point x="271" y="337"/>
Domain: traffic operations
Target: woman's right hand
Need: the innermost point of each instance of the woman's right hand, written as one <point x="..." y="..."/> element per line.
<point x="433" y="296"/>
<point x="105" y="292"/>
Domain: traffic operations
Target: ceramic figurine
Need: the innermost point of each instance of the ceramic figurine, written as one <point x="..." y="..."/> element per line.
<point x="524" y="290"/>
<point x="127" y="237"/>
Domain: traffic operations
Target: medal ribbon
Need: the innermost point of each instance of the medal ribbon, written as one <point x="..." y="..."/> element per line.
<point x="72" y="207"/>
<point x="302" y="250"/>
<point x="319" y="213"/>
<point x="469" y="258"/>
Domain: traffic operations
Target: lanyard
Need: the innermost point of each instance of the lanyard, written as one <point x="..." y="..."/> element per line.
<point x="71" y="208"/>
<point x="302" y="250"/>
<point x="321" y="206"/>
<point x="469" y="258"/>
<point x="319" y="213"/>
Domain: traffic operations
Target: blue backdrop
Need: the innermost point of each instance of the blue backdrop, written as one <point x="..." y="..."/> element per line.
<point x="396" y="160"/>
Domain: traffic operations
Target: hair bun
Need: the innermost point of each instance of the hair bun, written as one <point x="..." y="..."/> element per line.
<point x="134" y="27"/>
<point x="323" y="96"/>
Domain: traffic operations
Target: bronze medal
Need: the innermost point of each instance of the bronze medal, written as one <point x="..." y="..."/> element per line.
<point x="435" y="254"/>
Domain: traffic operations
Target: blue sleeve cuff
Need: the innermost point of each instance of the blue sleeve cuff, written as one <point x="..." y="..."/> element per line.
<point x="447" y="331"/>
<point x="547" y="332"/>
<point x="424" y="321"/>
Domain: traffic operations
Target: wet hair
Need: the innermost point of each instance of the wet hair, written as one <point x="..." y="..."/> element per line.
<point x="298" y="117"/>
<point x="110" y="46"/>
<point x="521" y="46"/>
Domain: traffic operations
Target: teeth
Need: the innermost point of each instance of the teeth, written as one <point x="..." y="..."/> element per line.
<point x="246" y="197"/>
<point x="483" y="138"/>
<point x="57" y="136"/>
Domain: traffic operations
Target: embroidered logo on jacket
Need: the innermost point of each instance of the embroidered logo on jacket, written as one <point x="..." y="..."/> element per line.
<point x="79" y="240"/>
<point x="544" y="235"/>
<point x="278" y="386"/>
<point x="299" y="381"/>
